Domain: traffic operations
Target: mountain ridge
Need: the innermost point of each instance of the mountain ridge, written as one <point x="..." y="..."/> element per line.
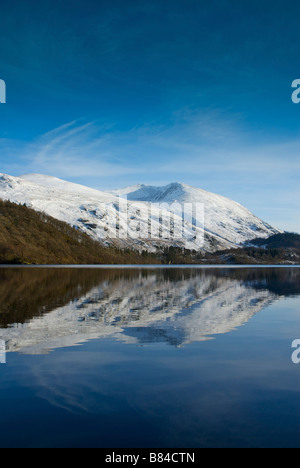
<point x="227" y="224"/>
<point x="28" y="237"/>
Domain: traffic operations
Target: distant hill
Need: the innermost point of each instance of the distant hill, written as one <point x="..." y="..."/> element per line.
<point x="29" y="237"/>
<point x="279" y="249"/>
<point x="278" y="241"/>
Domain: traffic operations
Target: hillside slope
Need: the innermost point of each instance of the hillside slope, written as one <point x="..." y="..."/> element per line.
<point x="29" y="237"/>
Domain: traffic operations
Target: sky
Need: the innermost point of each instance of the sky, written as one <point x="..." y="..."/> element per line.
<point x="115" y="93"/>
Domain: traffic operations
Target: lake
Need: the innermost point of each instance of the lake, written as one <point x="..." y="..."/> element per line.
<point x="149" y="357"/>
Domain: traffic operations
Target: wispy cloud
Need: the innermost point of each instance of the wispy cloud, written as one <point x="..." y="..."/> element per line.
<point x="193" y="144"/>
<point x="75" y="150"/>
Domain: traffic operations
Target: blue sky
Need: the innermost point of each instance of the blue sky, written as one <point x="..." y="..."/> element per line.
<point x="113" y="93"/>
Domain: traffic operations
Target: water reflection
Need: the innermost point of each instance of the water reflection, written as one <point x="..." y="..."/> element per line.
<point x="44" y="309"/>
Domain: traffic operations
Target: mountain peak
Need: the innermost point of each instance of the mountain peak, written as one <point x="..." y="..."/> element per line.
<point x="155" y="194"/>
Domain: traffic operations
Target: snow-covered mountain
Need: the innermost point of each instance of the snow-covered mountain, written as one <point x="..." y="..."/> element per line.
<point x="152" y="216"/>
<point x="223" y="217"/>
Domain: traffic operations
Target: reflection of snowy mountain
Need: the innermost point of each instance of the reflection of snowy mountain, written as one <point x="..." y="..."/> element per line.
<point x="143" y="309"/>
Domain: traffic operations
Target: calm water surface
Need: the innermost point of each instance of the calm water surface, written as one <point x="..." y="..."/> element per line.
<point x="174" y="358"/>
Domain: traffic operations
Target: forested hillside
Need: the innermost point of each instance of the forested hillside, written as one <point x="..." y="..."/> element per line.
<point x="29" y="237"/>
